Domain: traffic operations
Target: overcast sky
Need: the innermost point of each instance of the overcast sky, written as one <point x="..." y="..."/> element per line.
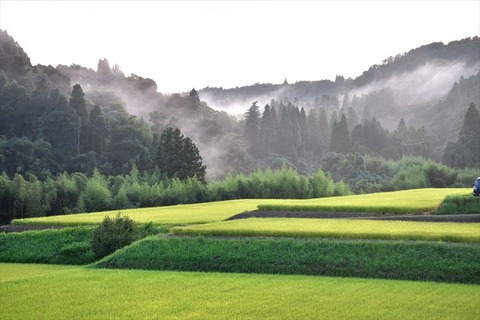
<point x="184" y="45"/>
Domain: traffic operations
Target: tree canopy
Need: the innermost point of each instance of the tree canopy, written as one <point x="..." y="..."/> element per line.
<point x="177" y="156"/>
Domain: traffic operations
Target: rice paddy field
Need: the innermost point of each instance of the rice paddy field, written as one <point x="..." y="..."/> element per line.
<point x="401" y="202"/>
<point x="338" y="228"/>
<point x="63" y="292"/>
<point x="268" y="268"/>
<point x="408" y="201"/>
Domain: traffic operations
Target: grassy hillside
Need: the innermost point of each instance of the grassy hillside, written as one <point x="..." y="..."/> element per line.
<point x="66" y="246"/>
<point x="443" y="262"/>
<point x="76" y="293"/>
<point x="338" y="228"/>
<point x="418" y="200"/>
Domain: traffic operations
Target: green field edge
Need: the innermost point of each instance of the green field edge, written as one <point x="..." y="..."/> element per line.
<point x="338" y="208"/>
<point x="372" y="259"/>
<point x="50" y="292"/>
<point x="410" y="202"/>
<point x="337" y="228"/>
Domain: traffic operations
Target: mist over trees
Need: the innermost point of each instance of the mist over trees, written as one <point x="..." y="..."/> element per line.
<point x="73" y="138"/>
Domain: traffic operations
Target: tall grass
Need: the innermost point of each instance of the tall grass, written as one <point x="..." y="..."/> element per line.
<point x="459" y="205"/>
<point x="366" y="259"/>
<point x="338" y="228"/>
<point x="65" y="246"/>
<point x="77" y="293"/>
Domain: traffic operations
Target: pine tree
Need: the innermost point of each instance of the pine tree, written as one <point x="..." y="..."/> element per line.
<point x="97" y="132"/>
<point x="268" y="130"/>
<point x="177" y="156"/>
<point x="313" y="133"/>
<point x="324" y="132"/>
<point x="340" y="138"/>
<point x="77" y="103"/>
<point x="352" y="119"/>
<point x="466" y="151"/>
<point x="251" y="129"/>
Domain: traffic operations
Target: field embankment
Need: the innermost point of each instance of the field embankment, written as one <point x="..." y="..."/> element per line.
<point x="337" y="228"/>
<point x="63" y="246"/>
<point x="53" y="292"/>
<point x="423" y="261"/>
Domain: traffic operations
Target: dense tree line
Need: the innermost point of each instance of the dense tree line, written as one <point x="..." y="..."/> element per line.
<point x="285" y="131"/>
<point x="45" y="134"/>
<point x="26" y="196"/>
<point x="366" y="174"/>
<point x="466" y="151"/>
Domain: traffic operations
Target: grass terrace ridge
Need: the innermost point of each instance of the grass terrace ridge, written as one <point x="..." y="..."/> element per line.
<point x="408" y="201"/>
<point x="400" y="202"/>
<point x="337" y="228"/>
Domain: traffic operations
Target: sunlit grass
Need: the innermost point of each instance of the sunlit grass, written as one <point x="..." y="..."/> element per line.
<point x="77" y="293"/>
<point x="407" y="201"/>
<point x="401" y="201"/>
<point x="168" y="215"/>
<point x="338" y="228"/>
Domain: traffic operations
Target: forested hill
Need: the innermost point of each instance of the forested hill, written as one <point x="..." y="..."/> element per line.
<point x="130" y="103"/>
<point x="76" y="119"/>
<point x="399" y="87"/>
<point x="462" y="58"/>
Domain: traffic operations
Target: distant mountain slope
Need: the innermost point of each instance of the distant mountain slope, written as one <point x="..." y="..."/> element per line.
<point x="416" y="86"/>
<point x="423" y="74"/>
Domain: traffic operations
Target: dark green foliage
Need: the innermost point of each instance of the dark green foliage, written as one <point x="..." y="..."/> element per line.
<point x="459" y="205"/>
<point x="251" y="129"/>
<point x="75" y="249"/>
<point x="466" y="151"/>
<point x="367" y="259"/>
<point x="177" y="156"/>
<point x="366" y="174"/>
<point x="113" y="234"/>
<point x="63" y="246"/>
<point x="78" y="104"/>
<point x="340" y="137"/>
<point x="268" y="130"/>
<point x="284" y="183"/>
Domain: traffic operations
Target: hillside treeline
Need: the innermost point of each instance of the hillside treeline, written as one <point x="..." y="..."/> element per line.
<point x="26" y="196"/>
<point x="284" y="132"/>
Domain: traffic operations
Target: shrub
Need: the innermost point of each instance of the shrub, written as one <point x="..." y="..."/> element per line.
<point x="113" y="234"/>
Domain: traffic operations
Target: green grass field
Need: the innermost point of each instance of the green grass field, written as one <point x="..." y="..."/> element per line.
<point x="338" y="228"/>
<point x="408" y="201"/>
<point x="53" y="292"/>
<point x="169" y="215"/>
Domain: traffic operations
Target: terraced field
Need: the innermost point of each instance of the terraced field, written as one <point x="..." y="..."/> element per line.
<point x="264" y="263"/>
<point x="409" y="201"/>
<point x="338" y="228"/>
<point x="61" y="292"/>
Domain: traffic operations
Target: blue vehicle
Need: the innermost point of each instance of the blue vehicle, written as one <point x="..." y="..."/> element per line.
<point x="476" y="187"/>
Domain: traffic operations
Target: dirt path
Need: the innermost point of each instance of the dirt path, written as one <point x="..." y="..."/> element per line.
<point x="463" y="218"/>
<point x="14" y="228"/>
